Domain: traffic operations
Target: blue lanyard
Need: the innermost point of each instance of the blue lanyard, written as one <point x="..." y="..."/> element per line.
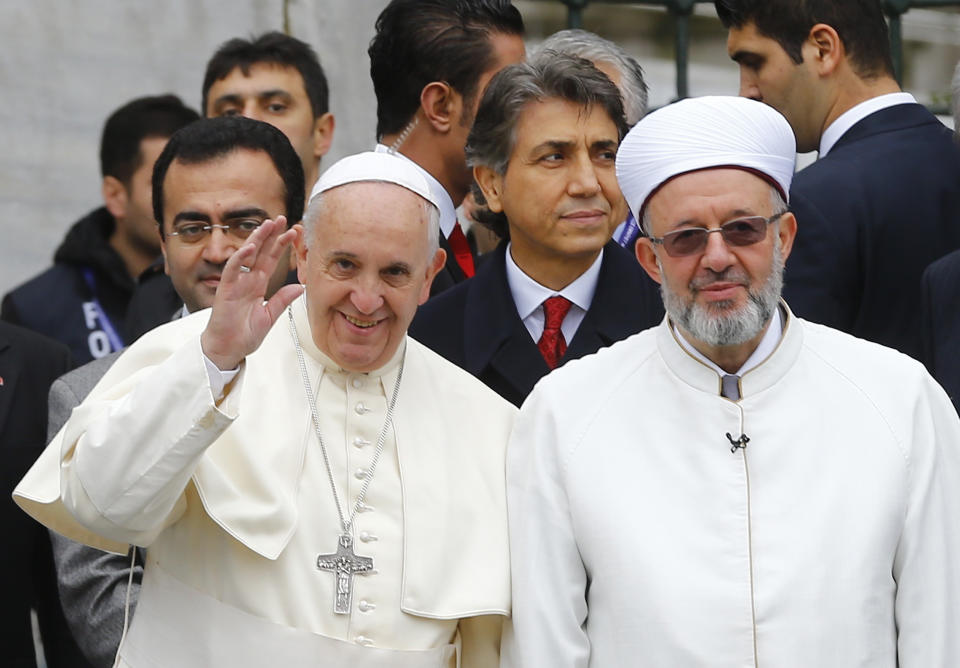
<point x="629" y="233"/>
<point x="116" y="343"/>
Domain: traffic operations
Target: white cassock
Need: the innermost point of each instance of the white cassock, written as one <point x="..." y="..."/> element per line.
<point x="832" y="540"/>
<point x="234" y="503"/>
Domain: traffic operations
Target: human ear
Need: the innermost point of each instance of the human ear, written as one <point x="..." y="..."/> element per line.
<point x="825" y="48"/>
<point x="298" y="258"/>
<point x="441" y="105"/>
<point x="322" y="134"/>
<point x="114" y="196"/>
<point x="435" y="265"/>
<point x="787" y="229"/>
<point x="491" y="184"/>
<point x="647" y="258"/>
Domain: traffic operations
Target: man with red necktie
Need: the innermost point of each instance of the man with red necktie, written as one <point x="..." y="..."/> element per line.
<point x="430" y="61"/>
<point x="542" y="149"/>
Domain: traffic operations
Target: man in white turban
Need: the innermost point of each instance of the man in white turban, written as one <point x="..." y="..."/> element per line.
<point x="312" y="486"/>
<point x="737" y="486"/>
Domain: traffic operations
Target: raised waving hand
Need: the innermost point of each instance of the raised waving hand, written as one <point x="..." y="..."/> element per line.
<point x="241" y="317"/>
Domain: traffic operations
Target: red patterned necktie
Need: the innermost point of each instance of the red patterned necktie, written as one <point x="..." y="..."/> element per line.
<point x="461" y="250"/>
<point x="552" y="345"/>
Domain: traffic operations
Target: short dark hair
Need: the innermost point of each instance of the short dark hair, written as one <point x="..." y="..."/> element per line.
<point x="548" y="75"/>
<point x="139" y="119"/>
<point x="274" y="48"/>
<point x="859" y="23"/>
<point x="419" y="41"/>
<point x="211" y="138"/>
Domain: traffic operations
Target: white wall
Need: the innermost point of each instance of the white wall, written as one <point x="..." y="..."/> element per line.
<point x="65" y="65"/>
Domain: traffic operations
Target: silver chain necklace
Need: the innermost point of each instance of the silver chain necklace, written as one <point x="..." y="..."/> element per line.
<point x="344" y="563"/>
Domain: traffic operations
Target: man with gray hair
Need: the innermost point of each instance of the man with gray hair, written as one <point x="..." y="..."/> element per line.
<point x="625" y="72"/>
<point x="542" y="150"/>
<point x="736" y="486"/>
<point x="312" y="486"/>
<point x="610" y="58"/>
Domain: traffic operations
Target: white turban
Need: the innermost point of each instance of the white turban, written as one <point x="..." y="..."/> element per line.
<point x="700" y="133"/>
<point x="378" y="167"/>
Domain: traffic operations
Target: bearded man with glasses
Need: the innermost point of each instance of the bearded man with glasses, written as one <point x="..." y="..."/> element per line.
<point x="736" y="486"/>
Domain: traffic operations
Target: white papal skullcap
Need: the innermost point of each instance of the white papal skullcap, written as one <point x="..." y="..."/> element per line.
<point x="373" y="166"/>
<point x="700" y="133"/>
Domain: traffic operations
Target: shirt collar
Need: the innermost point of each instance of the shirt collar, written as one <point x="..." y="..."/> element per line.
<point x="528" y="294"/>
<point x="767" y="345"/>
<point x="448" y="213"/>
<point x="857" y="113"/>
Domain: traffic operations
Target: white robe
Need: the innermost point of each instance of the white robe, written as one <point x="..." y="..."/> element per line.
<point x="832" y="540"/>
<point x="234" y="503"/>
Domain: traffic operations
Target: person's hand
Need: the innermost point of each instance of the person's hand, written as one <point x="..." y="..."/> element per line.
<point x="240" y="319"/>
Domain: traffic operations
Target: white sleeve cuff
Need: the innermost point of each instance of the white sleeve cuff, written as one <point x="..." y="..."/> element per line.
<point x="218" y="378"/>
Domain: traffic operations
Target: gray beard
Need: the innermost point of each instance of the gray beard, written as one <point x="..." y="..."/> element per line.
<point x="721" y="324"/>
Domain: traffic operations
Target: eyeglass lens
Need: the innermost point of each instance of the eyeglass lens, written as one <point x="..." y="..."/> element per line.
<point x="195" y="232"/>
<point x="740" y="232"/>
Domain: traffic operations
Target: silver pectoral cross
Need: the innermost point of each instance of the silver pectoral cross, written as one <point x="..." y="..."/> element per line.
<point x="344" y="564"/>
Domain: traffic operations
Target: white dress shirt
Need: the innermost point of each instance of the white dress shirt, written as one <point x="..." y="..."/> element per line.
<point x="528" y="297"/>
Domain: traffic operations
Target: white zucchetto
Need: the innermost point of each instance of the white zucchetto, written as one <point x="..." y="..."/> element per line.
<point x="701" y="133"/>
<point x="377" y="167"/>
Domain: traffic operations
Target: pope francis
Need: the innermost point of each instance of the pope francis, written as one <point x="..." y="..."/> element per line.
<point x="745" y="488"/>
<point x="312" y="486"/>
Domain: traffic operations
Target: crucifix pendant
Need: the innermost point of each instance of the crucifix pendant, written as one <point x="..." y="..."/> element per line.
<point x="344" y="564"/>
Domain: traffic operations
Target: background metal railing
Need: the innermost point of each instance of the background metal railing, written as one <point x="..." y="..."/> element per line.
<point x="681" y="10"/>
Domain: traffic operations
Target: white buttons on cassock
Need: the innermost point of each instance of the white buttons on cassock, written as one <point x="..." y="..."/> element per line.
<point x="360" y="474"/>
<point x="357" y="383"/>
<point x="366" y="606"/>
<point x="363" y="640"/>
<point x="360" y="442"/>
<point x="361" y="408"/>
<point x="368" y="537"/>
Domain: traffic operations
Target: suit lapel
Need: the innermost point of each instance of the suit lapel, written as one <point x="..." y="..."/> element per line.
<point x="614" y="314"/>
<point x="452" y="267"/>
<point x="890" y="119"/>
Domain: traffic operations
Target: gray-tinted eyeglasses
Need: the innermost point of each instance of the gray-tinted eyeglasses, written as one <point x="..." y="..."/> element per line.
<point x="191" y="233"/>
<point x="693" y="240"/>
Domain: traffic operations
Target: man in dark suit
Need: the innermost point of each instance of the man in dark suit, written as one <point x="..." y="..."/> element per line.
<point x="542" y="149"/>
<point x="940" y="323"/>
<point x="430" y="61"/>
<point x="881" y="202"/>
<point x="29" y="362"/>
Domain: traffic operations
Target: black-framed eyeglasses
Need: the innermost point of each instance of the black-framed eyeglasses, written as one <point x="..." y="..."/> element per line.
<point x="192" y="233"/>
<point x="693" y="240"/>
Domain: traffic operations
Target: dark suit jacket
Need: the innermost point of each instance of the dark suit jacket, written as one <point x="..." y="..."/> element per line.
<point x="29" y="363"/>
<point x="872" y="214"/>
<point x="940" y="323"/>
<point x="153" y="303"/>
<point x="476" y="326"/>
